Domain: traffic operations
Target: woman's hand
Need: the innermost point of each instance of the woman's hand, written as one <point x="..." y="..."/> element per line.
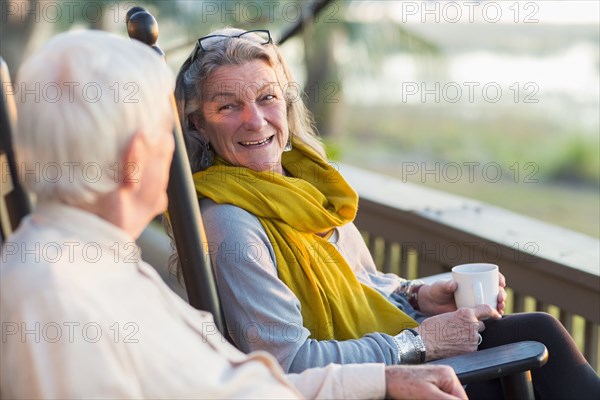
<point x="454" y="333"/>
<point x="502" y="295"/>
<point x="422" y="382"/>
<point x="439" y="298"/>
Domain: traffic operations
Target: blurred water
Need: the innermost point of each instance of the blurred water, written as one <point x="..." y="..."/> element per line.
<point x="564" y="84"/>
<point x="540" y="58"/>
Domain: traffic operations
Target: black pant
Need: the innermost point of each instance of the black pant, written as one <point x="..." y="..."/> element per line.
<point x="566" y="375"/>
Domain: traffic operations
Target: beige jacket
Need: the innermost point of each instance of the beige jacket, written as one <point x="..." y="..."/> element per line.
<point x="84" y="317"/>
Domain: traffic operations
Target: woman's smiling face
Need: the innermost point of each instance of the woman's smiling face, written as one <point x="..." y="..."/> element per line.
<point x="245" y="117"/>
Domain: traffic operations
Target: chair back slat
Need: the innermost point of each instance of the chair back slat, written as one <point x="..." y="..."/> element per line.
<point x="184" y="210"/>
<point x="14" y="201"/>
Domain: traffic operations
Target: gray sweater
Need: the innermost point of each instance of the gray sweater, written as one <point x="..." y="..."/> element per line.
<point x="262" y="313"/>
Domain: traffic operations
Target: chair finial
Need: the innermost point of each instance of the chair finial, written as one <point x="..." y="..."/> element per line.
<point x="142" y="26"/>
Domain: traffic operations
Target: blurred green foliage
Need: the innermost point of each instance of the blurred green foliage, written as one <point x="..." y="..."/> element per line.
<point x="532" y="149"/>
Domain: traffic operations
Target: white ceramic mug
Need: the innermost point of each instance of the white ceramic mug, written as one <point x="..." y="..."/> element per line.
<point x="477" y="284"/>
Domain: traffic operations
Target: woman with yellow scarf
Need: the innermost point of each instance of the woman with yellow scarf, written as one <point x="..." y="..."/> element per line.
<point x="294" y="275"/>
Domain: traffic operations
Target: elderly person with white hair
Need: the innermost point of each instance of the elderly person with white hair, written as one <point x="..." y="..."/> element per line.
<point x="82" y="315"/>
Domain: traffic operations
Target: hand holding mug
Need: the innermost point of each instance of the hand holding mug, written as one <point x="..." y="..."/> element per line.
<point x="479" y="283"/>
<point x="438" y="298"/>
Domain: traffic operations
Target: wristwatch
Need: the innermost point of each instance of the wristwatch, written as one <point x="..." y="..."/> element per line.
<point x="410" y="290"/>
<point x="411" y="348"/>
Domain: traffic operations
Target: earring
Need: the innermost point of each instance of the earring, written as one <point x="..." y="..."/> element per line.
<point x="207" y="155"/>
<point x="288" y="145"/>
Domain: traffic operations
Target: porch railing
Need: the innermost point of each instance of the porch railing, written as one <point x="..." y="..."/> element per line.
<point x="416" y="231"/>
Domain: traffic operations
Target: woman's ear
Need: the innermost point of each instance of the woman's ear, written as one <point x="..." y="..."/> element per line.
<point x="197" y="122"/>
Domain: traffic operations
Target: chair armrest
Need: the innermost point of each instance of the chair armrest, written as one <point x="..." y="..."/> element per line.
<point x="497" y="362"/>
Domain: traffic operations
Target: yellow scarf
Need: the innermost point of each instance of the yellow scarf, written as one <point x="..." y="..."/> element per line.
<point x="292" y="210"/>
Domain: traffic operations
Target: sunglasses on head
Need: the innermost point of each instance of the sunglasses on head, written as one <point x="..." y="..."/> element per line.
<point x="207" y="43"/>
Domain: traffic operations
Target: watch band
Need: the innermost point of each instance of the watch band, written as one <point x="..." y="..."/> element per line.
<point x="413" y="295"/>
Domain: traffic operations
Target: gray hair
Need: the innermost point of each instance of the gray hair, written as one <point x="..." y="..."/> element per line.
<point x="189" y="95"/>
<point x="83" y="97"/>
<point x="194" y="73"/>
